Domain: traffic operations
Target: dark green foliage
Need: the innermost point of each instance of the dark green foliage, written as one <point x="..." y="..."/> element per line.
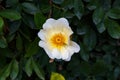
<point x="96" y="26"/>
<point x="1" y="24"/>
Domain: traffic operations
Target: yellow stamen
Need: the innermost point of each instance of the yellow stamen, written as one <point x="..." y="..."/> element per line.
<point x="58" y="40"/>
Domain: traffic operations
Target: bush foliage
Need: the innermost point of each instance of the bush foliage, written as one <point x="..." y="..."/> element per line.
<point x="96" y="26"/>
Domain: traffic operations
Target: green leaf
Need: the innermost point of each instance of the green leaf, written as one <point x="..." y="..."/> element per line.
<point x="10" y="37"/>
<point x="11" y="2"/>
<point x="28" y="67"/>
<point x="116" y="3"/>
<point x="6" y="72"/>
<point x="29" y="8"/>
<point x="90" y="39"/>
<point x="82" y="29"/>
<point x="26" y="34"/>
<point x="58" y="1"/>
<point x="98" y="15"/>
<point x="37" y="70"/>
<point x="114" y="13"/>
<point x="93" y="4"/>
<point x="3" y="42"/>
<point x="99" y="68"/>
<point x="39" y="19"/>
<point x="107" y="58"/>
<point x="84" y="52"/>
<point x="1" y="24"/>
<point x="56" y="13"/>
<point x="32" y="48"/>
<point x="10" y="14"/>
<point x="29" y="21"/>
<point x="68" y="4"/>
<point x="85" y="68"/>
<point x="101" y="27"/>
<point x="2" y="78"/>
<point x="107" y="48"/>
<point x="14" y="26"/>
<point x="78" y="8"/>
<point x="14" y="70"/>
<point x="19" y="42"/>
<point x="106" y="4"/>
<point x="113" y="28"/>
<point x="56" y="76"/>
<point x="86" y="0"/>
<point x="67" y="14"/>
<point x="116" y="72"/>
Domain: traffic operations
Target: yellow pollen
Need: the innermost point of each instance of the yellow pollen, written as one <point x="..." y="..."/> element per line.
<point x="58" y="40"/>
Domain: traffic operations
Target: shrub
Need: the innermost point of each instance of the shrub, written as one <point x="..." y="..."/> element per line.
<point x="96" y="27"/>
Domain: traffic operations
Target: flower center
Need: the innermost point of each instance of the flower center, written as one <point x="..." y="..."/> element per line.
<point x="59" y="40"/>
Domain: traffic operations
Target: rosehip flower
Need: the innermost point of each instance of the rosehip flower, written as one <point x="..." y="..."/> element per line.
<point x="55" y="39"/>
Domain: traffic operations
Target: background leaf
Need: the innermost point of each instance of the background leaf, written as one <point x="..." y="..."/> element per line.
<point x="93" y="4"/>
<point x="98" y="15"/>
<point x="19" y="42"/>
<point x="37" y="70"/>
<point x="114" y="13"/>
<point x="39" y="19"/>
<point x="12" y="2"/>
<point x="6" y="72"/>
<point x="14" y="26"/>
<point x="58" y="1"/>
<point x="56" y="76"/>
<point x="1" y="24"/>
<point x="84" y="52"/>
<point x="99" y="68"/>
<point x="113" y="28"/>
<point x="3" y="42"/>
<point x="101" y="27"/>
<point x="29" y="8"/>
<point x="96" y="28"/>
<point x="78" y="8"/>
<point x="32" y="48"/>
<point x="14" y="70"/>
<point x="10" y="14"/>
<point x="28" y="67"/>
<point x="90" y="39"/>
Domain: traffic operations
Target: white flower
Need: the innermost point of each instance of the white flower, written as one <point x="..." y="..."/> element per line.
<point x="55" y="39"/>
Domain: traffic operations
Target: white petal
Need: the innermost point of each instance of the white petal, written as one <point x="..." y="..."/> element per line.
<point x="46" y="48"/>
<point x="71" y="49"/>
<point x="64" y="24"/>
<point x="68" y="59"/>
<point x="56" y="26"/>
<point x="56" y="54"/>
<point x="64" y="21"/>
<point x="68" y="31"/>
<point x="41" y="44"/>
<point x="50" y="20"/>
<point x="64" y="53"/>
<point x="41" y="34"/>
<point x="74" y="47"/>
<point x="49" y="23"/>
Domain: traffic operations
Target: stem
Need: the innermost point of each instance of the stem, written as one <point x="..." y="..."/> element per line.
<point x="58" y="7"/>
<point x="50" y="12"/>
